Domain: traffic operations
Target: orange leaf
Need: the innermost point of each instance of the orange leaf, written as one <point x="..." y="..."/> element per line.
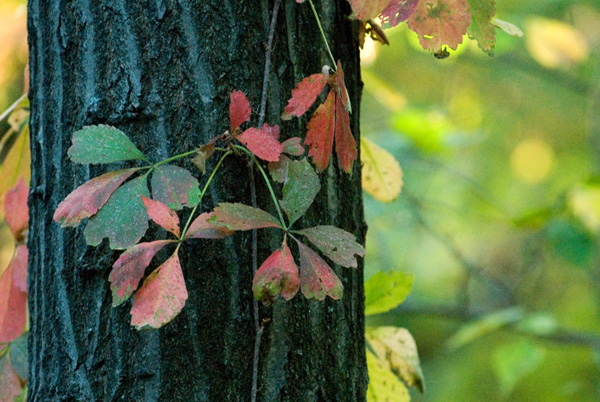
<point x="304" y="95"/>
<point x="320" y="131"/>
<point x="162" y="215"/>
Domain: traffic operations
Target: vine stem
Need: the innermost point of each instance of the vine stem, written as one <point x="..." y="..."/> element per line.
<point x="173" y="158"/>
<point x="210" y="178"/>
<point x="312" y="6"/>
<point x="261" y="118"/>
<point x="262" y="171"/>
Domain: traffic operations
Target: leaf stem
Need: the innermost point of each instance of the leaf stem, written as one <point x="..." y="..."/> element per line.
<point x="172" y="158"/>
<point x="262" y="171"/>
<point x="334" y="67"/>
<point x="12" y="107"/>
<point x="212" y="175"/>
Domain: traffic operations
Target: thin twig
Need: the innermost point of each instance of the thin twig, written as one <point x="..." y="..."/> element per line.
<point x="261" y="118"/>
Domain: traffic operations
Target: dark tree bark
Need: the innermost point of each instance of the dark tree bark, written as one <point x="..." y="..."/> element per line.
<point x="162" y="71"/>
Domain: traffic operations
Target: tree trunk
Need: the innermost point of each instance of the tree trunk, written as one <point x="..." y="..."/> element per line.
<point x="162" y="72"/>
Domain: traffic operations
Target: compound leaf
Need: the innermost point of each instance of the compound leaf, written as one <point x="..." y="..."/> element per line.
<point x="236" y="216"/>
<point x="129" y="269"/>
<point x="301" y="187"/>
<point x="239" y="109"/>
<point x="337" y="244"/>
<point x="123" y="220"/>
<point x="381" y="173"/>
<point x="202" y="229"/>
<point x="174" y="186"/>
<point x="440" y="22"/>
<point x="102" y="144"/>
<point x="161" y="297"/>
<point x="317" y="279"/>
<point x="87" y="199"/>
<point x="304" y="95"/>
<point x="162" y="215"/>
<point x="277" y="275"/>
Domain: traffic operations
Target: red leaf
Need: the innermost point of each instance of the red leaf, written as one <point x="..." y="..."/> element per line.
<point x="129" y="269"/>
<point x="293" y="146"/>
<point x="304" y="95"/>
<point x="16" y="210"/>
<point x="398" y="11"/>
<point x="341" y="89"/>
<point x="239" y="109"/>
<point x="162" y="296"/>
<point x="272" y="131"/>
<point x="13" y="297"/>
<point x="320" y="131"/>
<point x="317" y="279"/>
<point x="277" y="275"/>
<point x="88" y="198"/>
<point x="345" y="145"/>
<point x="10" y="386"/>
<point x="440" y="22"/>
<point x="262" y="143"/>
<point x="243" y="217"/>
<point x="202" y="229"/>
<point x="164" y="216"/>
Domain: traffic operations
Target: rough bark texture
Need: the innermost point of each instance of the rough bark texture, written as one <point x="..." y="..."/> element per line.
<point x="162" y="71"/>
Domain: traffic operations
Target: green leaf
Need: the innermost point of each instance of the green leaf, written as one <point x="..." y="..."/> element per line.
<point x="514" y="361"/>
<point x="300" y="189"/>
<point x="509" y="28"/>
<point x="337" y="244"/>
<point x="386" y="290"/>
<point x="102" y="144"/>
<point x="123" y="220"/>
<point x="18" y="355"/>
<point x="242" y="217"/>
<point x="174" y="186"/>
<point x="482" y="28"/>
<point x="384" y="386"/>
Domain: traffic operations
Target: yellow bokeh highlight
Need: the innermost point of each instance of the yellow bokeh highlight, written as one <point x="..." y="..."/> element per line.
<point x="532" y="160"/>
<point x="464" y="109"/>
<point x="554" y="43"/>
<point x="368" y="54"/>
<point x="584" y="202"/>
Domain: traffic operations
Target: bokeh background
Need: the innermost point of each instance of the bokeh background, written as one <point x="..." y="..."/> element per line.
<point x="499" y="216"/>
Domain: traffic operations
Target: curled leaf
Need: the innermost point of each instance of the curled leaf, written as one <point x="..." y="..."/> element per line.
<point x="162" y="215"/>
<point x="129" y="269"/>
<point x="102" y="144"/>
<point x="277" y="275"/>
<point x="202" y="229"/>
<point x="162" y="296"/>
<point x="317" y="279"/>
<point x="87" y="199"/>
<point x="337" y="244"/>
<point x="238" y="216"/>
<point x="239" y="109"/>
<point x="16" y="209"/>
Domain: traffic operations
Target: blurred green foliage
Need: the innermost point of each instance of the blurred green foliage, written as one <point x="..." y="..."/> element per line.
<point x="500" y="213"/>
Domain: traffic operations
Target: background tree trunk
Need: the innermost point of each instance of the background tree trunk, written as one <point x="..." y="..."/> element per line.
<point x="162" y="72"/>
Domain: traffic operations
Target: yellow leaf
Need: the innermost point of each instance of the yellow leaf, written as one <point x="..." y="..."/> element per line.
<point x="381" y="173"/>
<point x="396" y="350"/>
<point x="384" y="386"/>
<point x="554" y="43"/>
<point x="15" y="166"/>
